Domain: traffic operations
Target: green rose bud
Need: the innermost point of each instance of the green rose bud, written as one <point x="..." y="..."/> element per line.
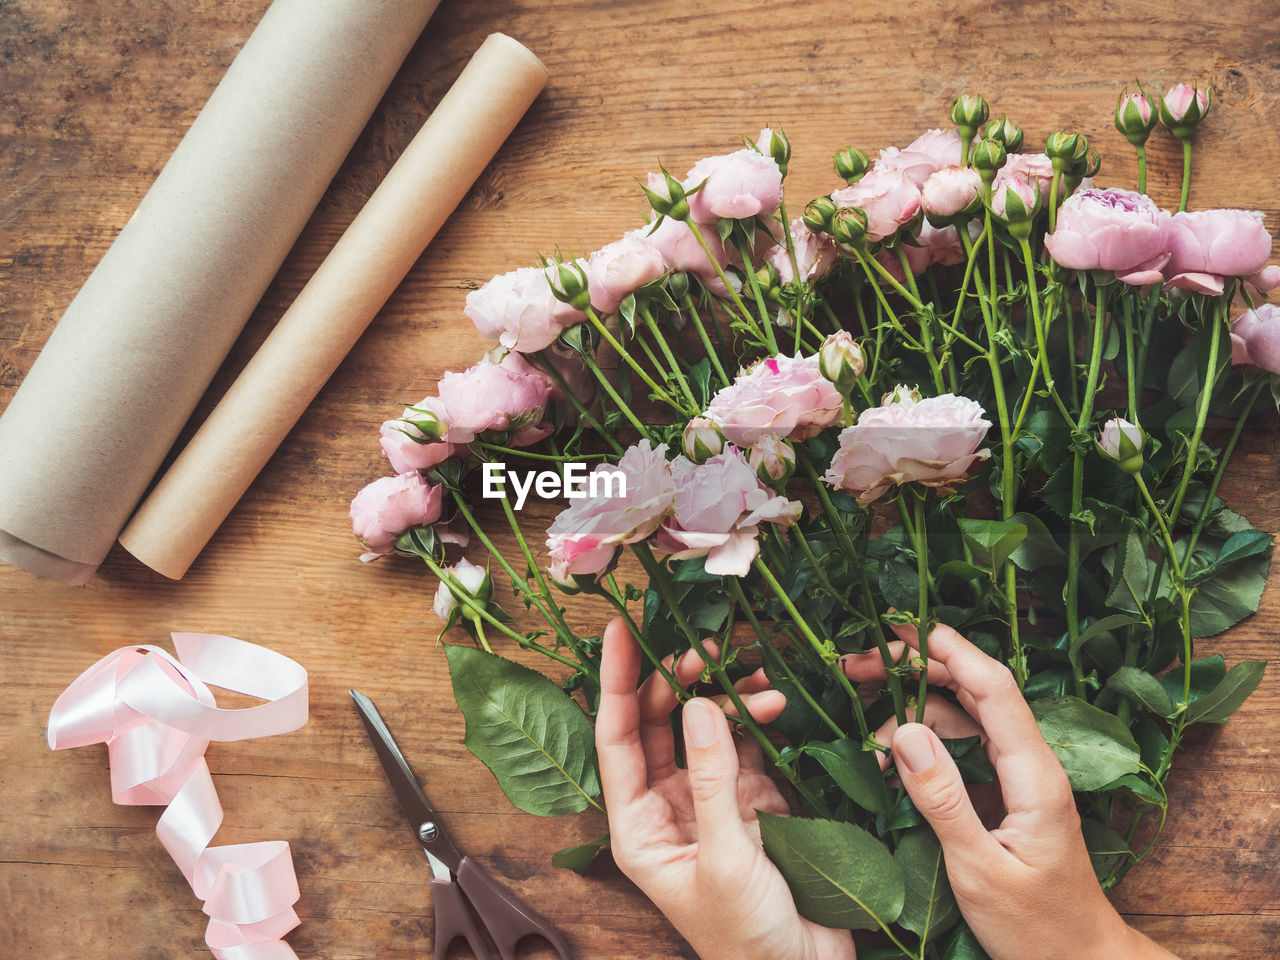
<point x="678" y="286"/>
<point x="969" y="113"/>
<point x="1122" y="442"/>
<point x="818" y="213"/>
<point x="572" y="289"/>
<point x="988" y="157"/>
<point x="851" y="163"/>
<point x="702" y="440"/>
<point x="849" y="226"/>
<point x="667" y="196"/>
<point x="773" y="459"/>
<point x="841" y="361"/>
<point x="774" y="143"/>
<point x="1006" y="131"/>
<point x="1065" y="150"/>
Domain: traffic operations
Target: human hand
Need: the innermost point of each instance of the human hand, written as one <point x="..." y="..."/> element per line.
<point x="1026" y="888"/>
<point x="690" y="838"/>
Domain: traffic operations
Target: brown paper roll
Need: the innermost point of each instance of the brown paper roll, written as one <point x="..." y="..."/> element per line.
<point x="131" y="357"/>
<point x="365" y="266"/>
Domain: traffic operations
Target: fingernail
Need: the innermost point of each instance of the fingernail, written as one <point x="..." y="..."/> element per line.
<point x="913" y="748"/>
<point x="699" y="724"/>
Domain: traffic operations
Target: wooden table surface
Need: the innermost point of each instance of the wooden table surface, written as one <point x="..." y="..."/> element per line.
<point x="95" y="94"/>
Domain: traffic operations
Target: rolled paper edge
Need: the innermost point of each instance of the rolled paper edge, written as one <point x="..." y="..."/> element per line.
<point x="42" y="563"/>
<point x="199" y="490"/>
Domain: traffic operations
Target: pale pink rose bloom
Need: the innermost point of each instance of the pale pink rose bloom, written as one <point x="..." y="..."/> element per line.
<point x="1033" y="168"/>
<point x="739" y="185"/>
<point x="925" y="155"/>
<point x="1210" y="245"/>
<point x="788" y="396"/>
<point x="934" y="442"/>
<point x="1001" y="189"/>
<point x="681" y="250"/>
<point x="388" y="507"/>
<point x="1112" y="432"/>
<point x="815" y="254"/>
<point x="1113" y="229"/>
<point x="1255" y="338"/>
<point x="934" y="245"/>
<point x="493" y="397"/>
<point x="949" y="191"/>
<point x="719" y="506"/>
<point x="568" y="364"/>
<point x="586" y="536"/>
<point x="470" y="575"/>
<point x="889" y="199"/>
<point x="1179" y="98"/>
<point x="519" y="310"/>
<point x="618" y="269"/>
<point x="406" y="446"/>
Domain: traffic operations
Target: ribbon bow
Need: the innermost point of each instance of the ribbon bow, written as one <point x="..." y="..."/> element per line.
<point x="157" y="716"/>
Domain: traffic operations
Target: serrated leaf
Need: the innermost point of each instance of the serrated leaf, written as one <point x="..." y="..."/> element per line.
<point x="839" y="874"/>
<point x="1130" y="574"/>
<point x="577" y="858"/>
<point x="928" y="908"/>
<point x="992" y="540"/>
<point x="532" y="736"/>
<point x="1227" y="697"/>
<point x="1093" y="746"/>
<point x="1231" y="594"/>
<point x="854" y="770"/>
<point x="1142" y="688"/>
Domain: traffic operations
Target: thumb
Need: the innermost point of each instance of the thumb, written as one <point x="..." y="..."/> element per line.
<point x="713" y="778"/>
<point x="937" y="789"/>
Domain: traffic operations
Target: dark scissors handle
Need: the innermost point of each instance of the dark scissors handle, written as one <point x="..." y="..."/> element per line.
<point x="506" y="917"/>
<point x="453" y="920"/>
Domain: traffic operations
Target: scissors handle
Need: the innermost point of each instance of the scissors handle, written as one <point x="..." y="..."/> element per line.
<point x="507" y="918"/>
<point x="453" y="920"/>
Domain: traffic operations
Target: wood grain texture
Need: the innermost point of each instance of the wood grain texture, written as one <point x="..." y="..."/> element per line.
<point x="95" y="94"/>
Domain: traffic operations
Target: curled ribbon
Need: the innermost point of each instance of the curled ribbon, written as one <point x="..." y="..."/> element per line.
<point x="157" y="716"/>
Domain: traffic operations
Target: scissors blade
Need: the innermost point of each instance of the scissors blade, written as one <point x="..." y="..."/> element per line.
<point x="423" y="822"/>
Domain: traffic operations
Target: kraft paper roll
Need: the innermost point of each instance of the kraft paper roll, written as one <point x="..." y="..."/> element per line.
<point x="131" y="357"/>
<point x="364" y="268"/>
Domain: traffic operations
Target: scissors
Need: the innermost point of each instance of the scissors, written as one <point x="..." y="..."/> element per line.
<point x="505" y="917"/>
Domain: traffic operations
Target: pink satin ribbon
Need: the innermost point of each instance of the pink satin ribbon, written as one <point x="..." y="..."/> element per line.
<point x="157" y="716"/>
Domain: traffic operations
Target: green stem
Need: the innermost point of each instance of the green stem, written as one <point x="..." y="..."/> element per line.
<point x="631" y="361"/>
<point x="765" y="335"/>
<point x="923" y="616"/>
<point x="706" y="341"/>
<point x="1142" y="168"/>
<point x="1129" y="359"/>
<point x="926" y="334"/>
<point x="766" y="319"/>
<point x="617" y="400"/>
<point x="531" y="455"/>
<point x="583" y="413"/>
<point x="1223" y="460"/>
<point x="671" y="359"/>
<point x="1186" y="174"/>
<point x="616" y="599"/>
<point x="1202" y="412"/>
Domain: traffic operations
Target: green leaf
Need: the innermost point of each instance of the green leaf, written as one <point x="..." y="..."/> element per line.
<point x="992" y="541"/>
<point x="1231" y="594"/>
<point x="929" y="908"/>
<point x="527" y="731"/>
<point x="1206" y="674"/>
<point x="1243" y="545"/>
<point x="1039" y="549"/>
<point x="1142" y="688"/>
<point x="1106" y="847"/>
<point x="578" y="858"/>
<point x="1093" y="746"/>
<point x="854" y="770"/>
<point x="1137" y="788"/>
<point x="963" y="945"/>
<point x="971" y="760"/>
<point x="1130" y="574"/>
<point x="1227" y="697"/>
<point x="839" y="874"/>
<point x="1106" y="625"/>
<point x="962" y="570"/>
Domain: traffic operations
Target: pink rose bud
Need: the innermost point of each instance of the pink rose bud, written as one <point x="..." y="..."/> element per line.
<point x="787" y="396"/>
<point x="1014" y="200"/>
<point x="1122" y="441"/>
<point x="1134" y="117"/>
<point x="388" y="507"/>
<point x="951" y="194"/>
<point x="718" y="508"/>
<point x="472" y="578"/>
<point x="666" y="196"/>
<point x="1183" y="107"/>
<point x="1033" y="168"/>
<point x="619" y="269"/>
<point x="1255" y="338"/>
<point x="773" y="459"/>
<point x="933" y="442"/>
<point x="889" y="199"/>
<point x="702" y="440"/>
<point x="735" y="186"/>
<point x="1115" y="230"/>
<point x="841" y="361"/>
<point x="584" y="539"/>
<point x="519" y="310"/>
<point x="411" y="443"/>
<point x="1207" y="246"/>
<point x="774" y="143"/>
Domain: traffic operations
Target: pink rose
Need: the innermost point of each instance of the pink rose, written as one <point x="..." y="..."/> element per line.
<point x="1112" y="229"/>
<point x="889" y="199"/>
<point x="1033" y="168"/>
<point x="586" y="536"/>
<point x="934" y="245"/>
<point x="496" y="397"/>
<point x="925" y="155"/>
<point x="815" y="254"/>
<point x="1210" y="245"/>
<point x="519" y="310"/>
<point x="407" y="447"/>
<point x="1255" y="338"/>
<point x="618" y="269"/>
<point x="788" y="396"/>
<point x="738" y="185"/>
<point x="1122" y="441"/>
<point x="719" y="506"/>
<point x="388" y="507"/>
<point x="1179" y="99"/>
<point x="1013" y="199"/>
<point x="933" y="442"/>
<point x="474" y="580"/>
<point x="950" y="192"/>
<point x="681" y="250"/>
